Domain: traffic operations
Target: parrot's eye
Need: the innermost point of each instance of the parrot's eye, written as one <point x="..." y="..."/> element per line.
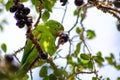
<point x="59" y="26"/>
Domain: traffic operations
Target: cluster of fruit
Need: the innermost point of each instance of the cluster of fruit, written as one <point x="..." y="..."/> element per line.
<point x="77" y="2"/>
<point x="21" y="13"/>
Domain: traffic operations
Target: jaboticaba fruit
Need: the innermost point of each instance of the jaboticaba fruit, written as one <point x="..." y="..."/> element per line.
<point x="9" y="58"/>
<point x="26" y="11"/>
<point x="63" y="2"/>
<point x="16" y="1"/>
<point x="28" y="21"/>
<point x="63" y="39"/>
<point x="19" y="15"/>
<point x="13" y="8"/>
<point x="43" y="55"/>
<point x="20" y="23"/>
<point x="20" y="6"/>
<point x="78" y="2"/>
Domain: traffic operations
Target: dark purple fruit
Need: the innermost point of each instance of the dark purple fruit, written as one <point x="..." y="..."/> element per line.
<point x="20" y="23"/>
<point x="19" y="15"/>
<point x="9" y="58"/>
<point x="13" y="8"/>
<point x="26" y="11"/>
<point x="78" y="2"/>
<point x="63" y="2"/>
<point x="16" y="1"/>
<point x="20" y="6"/>
<point x="28" y="21"/>
<point x="43" y="55"/>
<point x="64" y="37"/>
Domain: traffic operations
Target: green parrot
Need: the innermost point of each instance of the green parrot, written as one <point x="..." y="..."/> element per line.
<point x="46" y="35"/>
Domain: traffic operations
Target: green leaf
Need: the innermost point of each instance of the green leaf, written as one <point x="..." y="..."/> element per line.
<point x="90" y="34"/>
<point x="99" y="54"/>
<point x="23" y="0"/>
<point x="75" y="12"/>
<point x="69" y="59"/>
<point x="43" y="71"/>
<point x="78" y="30"/>
<point x="84" y="62"/>
<point x="85" y="56"/>
<point x="8" y="5"/>
<point x="94" y="78"/>
<point x="90" y="65"/>
<point x="108" y="79"/>
<point x="36" y="4"/>
<point x="77" y="51"/>
<point x="4" y="47"/>
<point x="71" y="77"/>
<point x="45" y="16"/>
<point x="52" y="77"/>
<point x="1" y="28"/>
<point x="112" y="55"/>
<point x="98" y="60"/>
<point x="118" y="78"/>
<point x="25" y="77"/>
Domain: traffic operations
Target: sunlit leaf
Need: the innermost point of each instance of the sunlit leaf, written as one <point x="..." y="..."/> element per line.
<point x="4" y="47"/>
<point x="91" y="34"/>
<point x="43" y="71"/>
<point x="85" y="62"/>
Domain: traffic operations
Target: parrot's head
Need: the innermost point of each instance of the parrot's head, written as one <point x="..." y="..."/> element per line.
<point x="54" y="26"/>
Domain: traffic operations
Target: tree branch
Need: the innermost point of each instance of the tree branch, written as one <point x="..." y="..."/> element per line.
<point x="40" y="13"/>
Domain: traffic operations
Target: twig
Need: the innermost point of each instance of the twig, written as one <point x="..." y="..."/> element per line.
<point x="75" y="22"/>
<point x="64" y="14"/>
<point x="31" y="74"/>
<point x="15" y="53"/>
<point x="40" y="13"/>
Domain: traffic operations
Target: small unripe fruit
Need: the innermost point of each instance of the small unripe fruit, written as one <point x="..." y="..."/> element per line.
<point x="78" y="2"/>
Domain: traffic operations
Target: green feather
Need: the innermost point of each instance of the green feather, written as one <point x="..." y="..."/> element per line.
<point x="46" y="35"/>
